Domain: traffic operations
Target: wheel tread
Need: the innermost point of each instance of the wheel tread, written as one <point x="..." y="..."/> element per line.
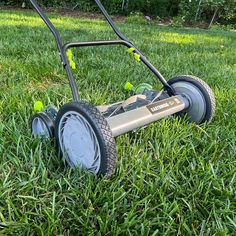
<point x="105" y="134"/>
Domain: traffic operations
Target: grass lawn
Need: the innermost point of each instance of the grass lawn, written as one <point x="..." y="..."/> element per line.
<point x="172" y="178"/>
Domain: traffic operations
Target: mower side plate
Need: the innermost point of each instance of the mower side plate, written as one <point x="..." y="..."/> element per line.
<point x="145" y="115"/>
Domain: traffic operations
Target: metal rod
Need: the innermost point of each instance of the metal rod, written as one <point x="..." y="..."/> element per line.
<point x="143" y="58"/>
<point x="111" y="22"/>
<point x="93" y="43"/>
<point x="129" y="45"/>
<point x="73" y="85"/>
<point x="64" y="59"/>
<point x="124" y="41"/>
<point x="49" y="24"/>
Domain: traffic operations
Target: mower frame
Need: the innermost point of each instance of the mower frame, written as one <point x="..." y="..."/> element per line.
<point x="123" y="41"/>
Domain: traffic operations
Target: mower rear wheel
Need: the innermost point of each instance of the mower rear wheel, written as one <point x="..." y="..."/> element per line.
<point x="200" y="96"/>
<point x="85" y="139"/>
<point x="42" y="126"/>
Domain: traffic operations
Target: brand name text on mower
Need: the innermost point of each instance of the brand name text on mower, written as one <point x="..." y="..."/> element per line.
<point x="160" y="107"/>
<point x="154" y="108"/>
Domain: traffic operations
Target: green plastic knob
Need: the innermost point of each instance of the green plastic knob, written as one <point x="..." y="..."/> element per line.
<point x="38" y="106"/>
<point x="128" y="86"/>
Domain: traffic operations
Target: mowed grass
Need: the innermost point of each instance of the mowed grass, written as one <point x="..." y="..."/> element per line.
<point x="172" y="178"/>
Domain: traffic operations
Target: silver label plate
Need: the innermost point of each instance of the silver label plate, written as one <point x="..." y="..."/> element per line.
<point x="164" y="105"/>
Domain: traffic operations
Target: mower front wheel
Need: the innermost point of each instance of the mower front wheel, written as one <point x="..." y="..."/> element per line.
<point x="85" y="139"/>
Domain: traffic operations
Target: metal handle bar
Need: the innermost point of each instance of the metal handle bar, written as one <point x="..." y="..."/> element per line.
<point x="48" y="23"/>
<point x="64" y="59"/>
<point x="124" y="40"/>
<point x="127" y="44"/>
<point x="111" y="22"/>
<point x="130" y="44"/>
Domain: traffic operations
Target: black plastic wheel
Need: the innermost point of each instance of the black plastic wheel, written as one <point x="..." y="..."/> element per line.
<point x="42" y="126"/>
<point x="85" y="139"/>
<point x="201" y="98"/>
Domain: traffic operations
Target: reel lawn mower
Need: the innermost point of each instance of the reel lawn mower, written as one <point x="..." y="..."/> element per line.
<point x="85" y="134"/>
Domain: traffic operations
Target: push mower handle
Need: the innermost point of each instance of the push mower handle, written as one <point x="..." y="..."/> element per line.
<point x="64" y="59"/>
<point x="110" y="21"/>
<point x="62" y="48"/>
<point x="47" y="22"/>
